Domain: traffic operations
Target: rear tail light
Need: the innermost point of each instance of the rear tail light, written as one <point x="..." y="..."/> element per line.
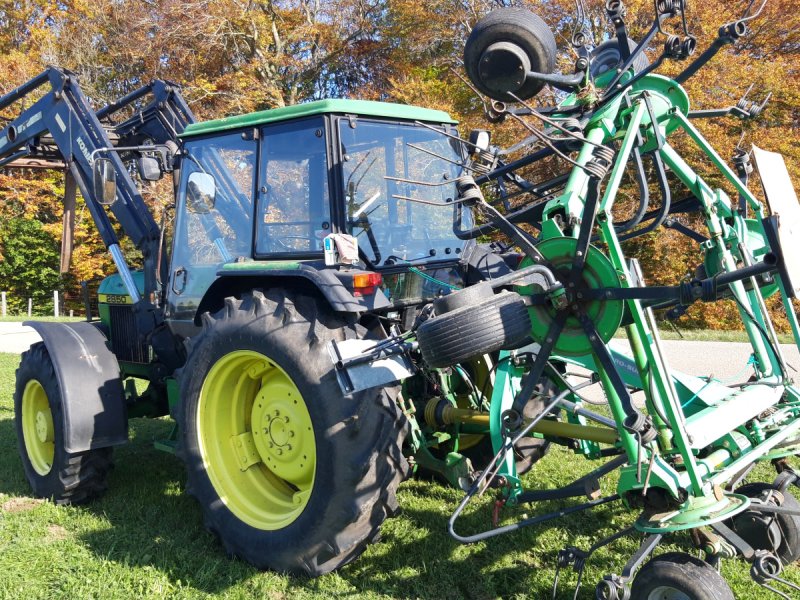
<point x="364" y="284"/>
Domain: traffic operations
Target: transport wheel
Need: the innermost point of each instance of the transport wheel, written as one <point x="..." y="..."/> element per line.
<point x="778" y="533"/>
<point x="679" y="576"/>
<point x="607" y="57"/>
<point x="517" y="33"/>
<point x="290" y="474"/>
<point x="52" y="472"/>
<point x="498" y="322"/>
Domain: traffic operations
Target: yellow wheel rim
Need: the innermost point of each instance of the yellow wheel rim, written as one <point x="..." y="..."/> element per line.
<point x="37" y="427"/>
<point x="256" y="440"/>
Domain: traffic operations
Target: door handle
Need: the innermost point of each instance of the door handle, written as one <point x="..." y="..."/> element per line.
<point x="179" y="280"/>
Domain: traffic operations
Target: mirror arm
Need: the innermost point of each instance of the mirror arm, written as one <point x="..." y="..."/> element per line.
<point x="162" y="149"/>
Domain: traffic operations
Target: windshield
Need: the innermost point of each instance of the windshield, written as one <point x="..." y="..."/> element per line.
<point x="390" y="229"/>
<point x="219" y="227"/>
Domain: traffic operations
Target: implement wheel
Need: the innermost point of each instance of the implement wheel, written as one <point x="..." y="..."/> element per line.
<point x="778" y="533"/>
<point x="290" y="475"/>
<point x="52" y="472"/>
<point x="679" y="576"/>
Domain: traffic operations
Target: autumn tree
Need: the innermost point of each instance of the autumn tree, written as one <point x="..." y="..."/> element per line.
<point x="237" y="56"/>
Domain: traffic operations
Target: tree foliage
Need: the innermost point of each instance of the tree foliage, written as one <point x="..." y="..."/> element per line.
<point x="29" y="268"/>
<point x="236" y="56"/>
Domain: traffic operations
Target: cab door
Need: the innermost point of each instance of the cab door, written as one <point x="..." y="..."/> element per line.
<point x="214" y="218"/>
<point x="293" y="210"/>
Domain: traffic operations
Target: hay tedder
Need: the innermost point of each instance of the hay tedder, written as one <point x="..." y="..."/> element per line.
<point x="330" y="317"/>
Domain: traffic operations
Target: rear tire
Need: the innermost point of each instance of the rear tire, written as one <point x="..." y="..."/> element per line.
<point x="323" y="468"/>
<point x="51" y="471"/>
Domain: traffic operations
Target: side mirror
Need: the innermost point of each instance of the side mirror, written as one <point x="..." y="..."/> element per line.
<point x="105" y="181"/>
<point x="510" y="50"/>
<point x="149" y="168"/>
<point x="479" y="140"/>
<point x="201" y="192"/>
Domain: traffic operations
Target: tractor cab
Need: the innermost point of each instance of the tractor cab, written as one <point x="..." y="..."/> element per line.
<point x="259" y="194"/>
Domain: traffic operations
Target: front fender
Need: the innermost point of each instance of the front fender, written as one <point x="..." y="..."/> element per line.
<point x="88" y="374"/>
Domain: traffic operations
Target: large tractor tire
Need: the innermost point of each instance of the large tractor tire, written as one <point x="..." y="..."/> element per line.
<point x="52" y="472"/>
<point x="290" y="474"/>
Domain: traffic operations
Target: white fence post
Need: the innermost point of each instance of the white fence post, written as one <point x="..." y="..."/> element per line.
<point x="3" y="303"/>
<point x="55" y="303"/>
<point x="30" y="306"/>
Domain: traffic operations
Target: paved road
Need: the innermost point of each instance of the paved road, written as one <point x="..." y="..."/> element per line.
<point x="16" y="338"/>
<point x="727" y="361"/>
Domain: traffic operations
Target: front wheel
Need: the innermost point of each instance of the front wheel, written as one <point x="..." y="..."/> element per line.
<point x="291" y="475"/>
<point x="52" y="472"/>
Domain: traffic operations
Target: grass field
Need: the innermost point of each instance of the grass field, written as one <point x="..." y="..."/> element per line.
<point x="707" y="335"/>
<point x="145" y="539"/>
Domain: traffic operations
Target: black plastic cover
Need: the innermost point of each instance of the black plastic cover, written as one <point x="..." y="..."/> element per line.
<point x="88" y="374"/>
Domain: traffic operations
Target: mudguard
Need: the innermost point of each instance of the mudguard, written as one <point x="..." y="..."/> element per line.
<point x="88" y="374"/>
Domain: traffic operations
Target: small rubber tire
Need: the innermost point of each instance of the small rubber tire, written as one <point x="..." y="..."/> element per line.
<point x="497" y="323"/>
<point x="606" y="57"/>
<point x="517" y="26"/>
<point x="357" y="438"/>
<point x="789" y="549"/>
<point x="679" y="573"/>
<point x="468" y="296"/>
<point x="72" y="477"/>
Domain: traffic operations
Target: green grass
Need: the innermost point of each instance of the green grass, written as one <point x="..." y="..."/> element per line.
<point x="706" y="335"/>
<point x="145" y="539"/>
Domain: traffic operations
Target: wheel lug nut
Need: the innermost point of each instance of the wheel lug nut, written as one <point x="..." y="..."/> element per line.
<point x="288" y="446"/>
<point x="271" y="445"/>
<point x="285" y="419"/>
<point x="277" y="412"/>
<point x="280" y="451"/>
<point x="291" y="433"/>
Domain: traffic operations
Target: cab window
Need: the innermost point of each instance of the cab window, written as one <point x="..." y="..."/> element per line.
<point x="293" y="208"/>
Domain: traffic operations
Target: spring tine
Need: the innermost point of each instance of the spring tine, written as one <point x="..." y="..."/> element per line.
<point x="444" y="133"/>
<point x="580" y="578"/>
<point x="746" y="18"/>
<point x="555" y="583"/>
<point x="772" y="589"/>
<point x="415" y="182"/>
<point x="787" y="583"/>
<point x="431" y="202"/>
<point x="439" y="156"/>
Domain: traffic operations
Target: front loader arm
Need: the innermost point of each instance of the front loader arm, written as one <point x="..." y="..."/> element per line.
<point x="63" y="118"/>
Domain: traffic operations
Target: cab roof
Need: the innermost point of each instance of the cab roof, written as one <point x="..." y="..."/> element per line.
<point x="364" y="108"/>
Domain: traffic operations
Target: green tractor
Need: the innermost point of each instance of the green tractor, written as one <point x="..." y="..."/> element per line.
<point x="291" y="231"/>
<point x="326" y="319"/>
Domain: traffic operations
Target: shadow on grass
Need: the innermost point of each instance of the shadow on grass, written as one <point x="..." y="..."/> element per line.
<point x="517" y="564"/>
<point x="12" y="478"/>
<point x="153" y="523"/>
<point x="145" y="519"/>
